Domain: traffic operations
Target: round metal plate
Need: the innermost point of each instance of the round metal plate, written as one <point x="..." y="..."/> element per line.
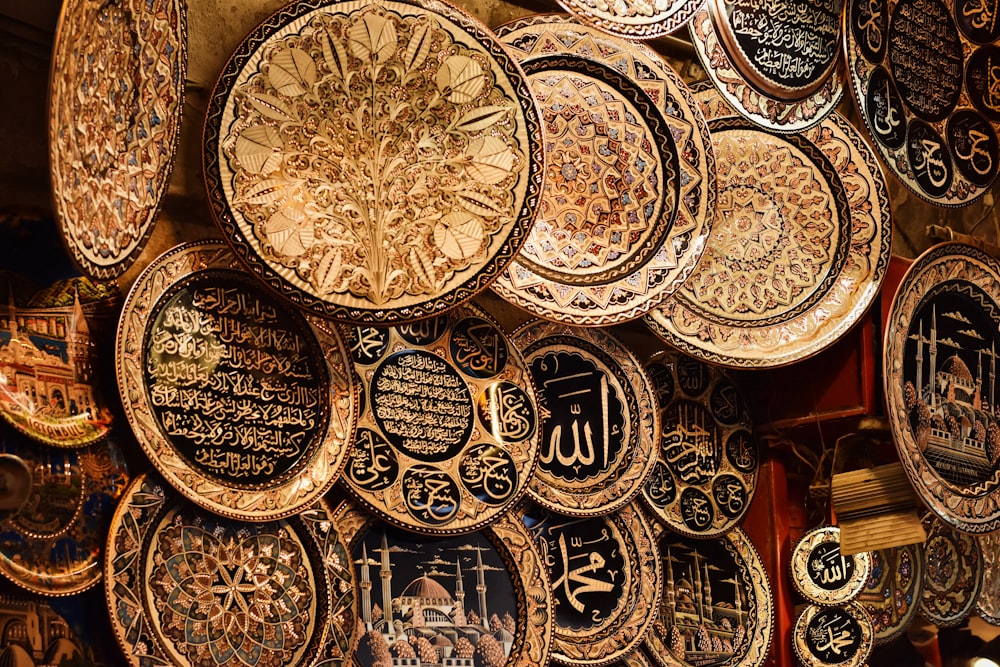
<point x="953" y="574"/>
<point x="376" y="162"/>
<point x="821" y="574"/>
<point x="633" y="19"/>
<point x="891" y="595"/>
<point x="245" y="405"/>
<point x="988" y="604"/>
<point x="841" y="636"/>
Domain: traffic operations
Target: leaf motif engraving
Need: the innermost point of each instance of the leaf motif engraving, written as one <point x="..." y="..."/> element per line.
<point x="459" y="235"/>
<point x="372" y="38"/>
<point x="290" y="232"/>
<point x="490" y="160"/>
<point x="292" y="72"/>
<point x="267" y="191"/>
<point x="271" y="107"/>
<point x="258" y="148"/>
<point x="460" y="79"/>
<point x="481" y="118"/>
<point x="418" y="47"/>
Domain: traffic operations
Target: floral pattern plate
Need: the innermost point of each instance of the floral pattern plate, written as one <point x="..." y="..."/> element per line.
<point x="891" y="596"/>
<point x="822" y="574"/>
<point x="953" y="573"/>
<point x="634" y="19"/>
<point x="374" y="162"/>
<point x="841" y="636"/>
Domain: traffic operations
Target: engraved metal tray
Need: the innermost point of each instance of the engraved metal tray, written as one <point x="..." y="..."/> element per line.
<point x="634" y="19"/>
<point x="891" y="595"/>
<point x="841" y="636"/>
<point x="988" y="604"/>
<point x="821" y="573"/>
<point x="953" y="573"/>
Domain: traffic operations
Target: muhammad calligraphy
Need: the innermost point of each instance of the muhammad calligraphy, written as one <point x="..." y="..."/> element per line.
<point x="833" y="636"/>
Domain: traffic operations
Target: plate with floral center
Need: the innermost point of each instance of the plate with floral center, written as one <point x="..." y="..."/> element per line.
<point x="953" y="573"/>
<point x="822" y="574"/>
<point x="891" y="596"/>
<point x="841" y="636"/>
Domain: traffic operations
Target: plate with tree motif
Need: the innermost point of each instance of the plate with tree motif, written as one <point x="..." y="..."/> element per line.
<point x="822" y="574"/>
<point x="953" y="573"/>
<point x="841" y="635"/>
<point x="891" y="596"/>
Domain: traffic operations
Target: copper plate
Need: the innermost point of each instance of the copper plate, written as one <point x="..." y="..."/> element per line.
<point x="376" y="162"/>
<point x="187" y="587"/>
<point x="798" y="250"/>
<point x="707" y="458"/>
<point x="953" y="574"/>
<point x="822" y="574"/>
<point x="988" y="604"/>
<point x="448" y="438"/>
<point x="597" y="446"/>
<point x="841" y="636"/>
<point x="634" y="19"/>
<point x="891" y="595"/>
<point x="244" y="404"/>
<point x="115" y="105"/>
<point x="629" y="191"/>
<point x="941" y="386"/>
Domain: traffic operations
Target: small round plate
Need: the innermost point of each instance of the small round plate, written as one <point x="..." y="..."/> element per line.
<point x="448" y="437"/>
<point x="188" y="587"/>
<point x="891" y="595"/>
<point x="244" y="404"/>
<point x="823" y="575"/>
<point x="953" y="574"/>
<point x="629" y="191"/>
<point x="375" y="162"/>
<point x="707" y="458"/>
<point x="988" y="604"/>
<point x="841" y="636"/>
<point x="940" y="383"/>
<point x="597" y="447"/>
<point x="115" y="105"/>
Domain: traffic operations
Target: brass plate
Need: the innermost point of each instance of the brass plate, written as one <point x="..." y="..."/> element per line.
<point x="506" y="621"/>
<point x="841" y="636"/>
<point x="116" y="96"/>
<point x="448" y="437"/>
<point x="244" y="404"/>
<point x="606" y="582"/>
<point x="798" y="250"/>
<point x="375" y="162"/>
<point x="629" y="191"/>
<point x="988" y="604"/>
<point x="823" y="575"/>
<point x="953" y="574"/>
<point x="891" y="595"/>
<point x="188" y="587"/>
<point x="597" y="439"/>
<point x="633" y="19"/>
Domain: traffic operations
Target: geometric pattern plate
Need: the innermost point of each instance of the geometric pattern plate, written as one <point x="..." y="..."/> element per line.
<point x="841" y="636"/>
<point x="891" y="595"/>
<point x="988" y="603"/>
<point x="374" y="162"/>
<point x="953" y="573"/>
<point x="629" y="187"/>
<point x="823" y="575"/>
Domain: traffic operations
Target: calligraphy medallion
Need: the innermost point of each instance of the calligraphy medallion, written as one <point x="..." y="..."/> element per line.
<point x="988" y="603"/>
<point x="243" y="403"/>
<point x="375" y="162"/>
<point x="840" y="636"/>
<point x="596" y="448"/>
<point x="822" y="574"/>
<point x="891" y="596"/>
<point x="448" y="435"/>
<point x="629" y="190"/>
<point x="953" y="573"/>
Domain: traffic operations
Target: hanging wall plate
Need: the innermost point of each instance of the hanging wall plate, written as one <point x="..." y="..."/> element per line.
<point x="822" y="574"/>
<point x="891" y="595"/>
<point x="953" y="574"/>
<point x="826" y="636"/>
<point x="988" y="604"/>
<point x="634" y="19"/>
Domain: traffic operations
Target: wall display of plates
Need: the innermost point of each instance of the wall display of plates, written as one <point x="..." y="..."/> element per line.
<point x="891" y="595"/>
<point x="822" y="574"/>
<point x="798" y="250"/>
<point x="988" y="603"/>
<point x="448" y="435"/>
<point x="633" y="19"/>
<point x="940" y="383"/>
<point x="841" y="636"/>
<point x="923" y="83"/>
<point x="706" y="456"/>
<point x="419" y="612"/>
<point x="629" y="189"/>
<point x="244" y="404"/>
<point x="953" y="573"/>
<point x="376" y="162"/>
<point x="596" y="446"/>
<point x="115" y="105"/>
<point x="188" y="587"/>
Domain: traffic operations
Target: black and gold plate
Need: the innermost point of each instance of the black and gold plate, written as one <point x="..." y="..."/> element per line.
<point x="891" y="595"/>
<point x="953" y="573"/>
<point x="841" y="636"/>
<point x="821" y="573"/>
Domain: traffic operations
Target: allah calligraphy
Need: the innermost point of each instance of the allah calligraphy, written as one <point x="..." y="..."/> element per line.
<point x="833" y="636"/>
<point x="821" y="573"/>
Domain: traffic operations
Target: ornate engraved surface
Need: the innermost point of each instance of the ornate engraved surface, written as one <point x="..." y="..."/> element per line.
<point x="244" y="405"/>
<point x="823" y="575"/>
<point x="953" y="573"/>
<point x="596" y="447"/>
<point x="117" y="88"/>
<point x="377" y="163"/>
<point x="988" y="604"/>
<point x="891" y="595"/>
<point x="629" y="188"/>
<point x="633" y="19"/>
<point x="833" y="636"/>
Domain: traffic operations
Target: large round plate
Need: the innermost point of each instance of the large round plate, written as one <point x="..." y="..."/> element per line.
<point x="798" y="250"/>
<point x="115" y="104"/>
<point x="841" y="636"/>
<point x="376" y="162"/>
<point x="448" y="437"/>
<point x="953" y="573"/>
<point x="629" y="191"/>
<point x="634" y="19"/>
<point x="187" y="587"/>
<point x="988" y="604"/>
<point x="923" y="84"/>
<point x="822" y="574"/>
<point x="244" y="404"/>
<point x="891" y="595"/>
<point x="596" y="448"/>
<point x="941" y="386"/>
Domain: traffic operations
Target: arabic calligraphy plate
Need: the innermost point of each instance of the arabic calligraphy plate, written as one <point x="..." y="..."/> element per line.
<point x="115" y="104"/>
<point x="841" y="636"/>
<point x="448" y="437"/>
<point x="823" y="575"/>
<point x="940" y="370"/>
<point x="988" y="603"/>
<point x="596" y="448"/>
<point x="891" y="596"/>
<point x="375" y="162"/>
<point x="188" y="587"/>
<point x="923" y="86"/>
<point x="953" y="573"/>
<point x="244" y="404"/>
<point x="799" y="248"/>
<point x="629" y="190"/>
<point x="506" y="620"/>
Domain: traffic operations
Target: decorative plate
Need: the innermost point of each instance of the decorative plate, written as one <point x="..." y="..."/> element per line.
<point x="188" y="587"/>
<point x="706" y="461"/>
<point x="245" y="405"/>
<point x="823" y="575"/>
<point x="891" y="595"/>
<point x="596" y="447"/>
<point x="375" y="162"/>
<point x="988" y="603"/>
<point x="55" y="507"/>
<point x="634" y="19"/>
<point x="115" y="105"/>
<point x="448" y="437"/>
<point x="717" y="607"/>
<point x="953" y="574"/>
<point x="841" y="636"/>
<point x="920" y="71"/>
<point x="798" y="250"/>
<point x="606" y="582"/>
<point x="941" y="386"/>
<point x="629" y="189"/>
<point x="774" y="113"/>
<point x="419" y="610"/>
